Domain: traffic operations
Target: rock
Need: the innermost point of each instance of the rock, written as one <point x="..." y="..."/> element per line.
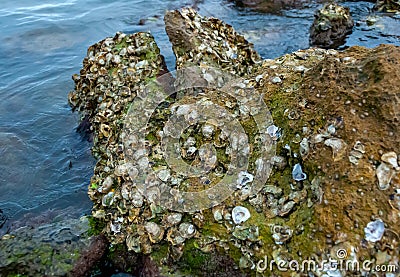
<point x="342" y="99"/>
<point x="331" y="25"/>
<point x="198" y="40"/>
<point x="270" y="6"/>
<point x="390" y="6"/>
<point x="47" y="250"/>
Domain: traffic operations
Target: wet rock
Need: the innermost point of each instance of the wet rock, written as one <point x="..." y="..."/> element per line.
<point x="331" y="26"/>
<point x="90" y="257"/>
<point x="48" y="250"/>
<point x="271" y="6"/>
<point x="390" y="6"/>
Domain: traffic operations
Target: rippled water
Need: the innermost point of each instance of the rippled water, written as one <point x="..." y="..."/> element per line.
<point x="44" y="164"/>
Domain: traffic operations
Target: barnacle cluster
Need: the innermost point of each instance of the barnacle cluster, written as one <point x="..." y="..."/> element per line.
<point x="212" y="139"/>
<point x="201" y="40"/>
<point x="187" y="170"/>
<point x="114" y="71"/>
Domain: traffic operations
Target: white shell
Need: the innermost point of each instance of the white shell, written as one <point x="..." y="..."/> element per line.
<point x="390" y="158"/>
<point x="384" y="173"/>
<point x="338" y="148"/>
<point x="274" y="132"/>
<point x="374" y="230"/>
<point x="240" y="214"/>
<point x="244" y="178"/>
<point x="298" y="174"/>
<point x="187" y="230"/>
<point x="207" y="130"/>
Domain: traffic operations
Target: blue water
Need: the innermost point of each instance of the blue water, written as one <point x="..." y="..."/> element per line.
<point x="44" y="42"/>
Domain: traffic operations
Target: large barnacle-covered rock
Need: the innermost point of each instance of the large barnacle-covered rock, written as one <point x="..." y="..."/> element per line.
<point x="331" y="132"/>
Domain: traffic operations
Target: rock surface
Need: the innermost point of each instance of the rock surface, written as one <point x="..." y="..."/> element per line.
<point x="47" y="250"/>
<point x="331" y="25"/>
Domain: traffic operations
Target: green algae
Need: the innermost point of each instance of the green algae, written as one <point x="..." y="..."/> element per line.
<point x="96" y="226"/>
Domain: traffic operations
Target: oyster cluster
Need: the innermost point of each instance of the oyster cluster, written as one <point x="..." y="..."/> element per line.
<point x="114" y="71"/>
<point x="196" y="173"/>
<point x="201" y="40"/>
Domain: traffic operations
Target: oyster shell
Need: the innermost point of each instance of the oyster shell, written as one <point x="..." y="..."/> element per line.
<point x="240" y="214"/>
<point x="187" y="230"/>
<point x="280" y="233"/>
<point x="244" y="178"/>
<point x="298" y="174"/>
<point x="274" y="132"/>
<point x="338" y="148"/>
<point x="384" y="173"/>
<point x="374" y="230"/>
<point x="391" y="158"/>
<point x="155" y="232"/>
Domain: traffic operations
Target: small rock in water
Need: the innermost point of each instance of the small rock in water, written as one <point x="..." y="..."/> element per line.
<point x="298" y="174"/>
<point x="374" y="230"/>
<point x="240" y="214"/>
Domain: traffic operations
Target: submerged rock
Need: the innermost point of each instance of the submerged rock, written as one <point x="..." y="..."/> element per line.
<point x="331" y="25"/>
